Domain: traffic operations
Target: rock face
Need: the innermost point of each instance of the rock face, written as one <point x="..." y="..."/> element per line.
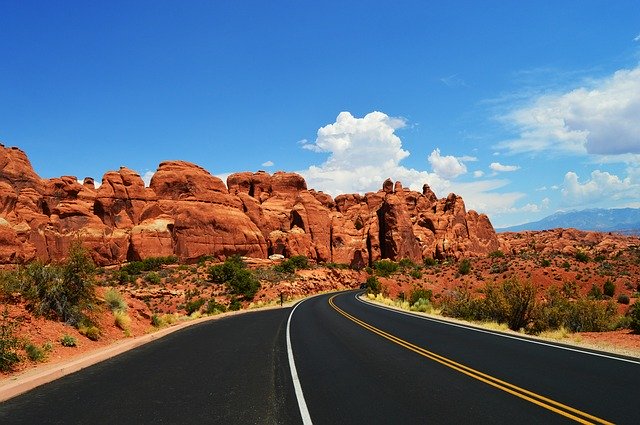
<point x="189" y="213"/>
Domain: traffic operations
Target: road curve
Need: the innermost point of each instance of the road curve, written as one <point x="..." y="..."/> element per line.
<point x="355" y="363"/>
<point x="228" y="371"/>
<point x="361" y="364"/>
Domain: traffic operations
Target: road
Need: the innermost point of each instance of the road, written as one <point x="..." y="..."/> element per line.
<point x="355" y="363"/>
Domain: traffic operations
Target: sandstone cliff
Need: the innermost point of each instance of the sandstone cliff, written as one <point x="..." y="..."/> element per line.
<point x="189" y="213"/>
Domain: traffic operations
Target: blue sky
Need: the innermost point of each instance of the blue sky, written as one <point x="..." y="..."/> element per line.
<point x="523" y="108"/>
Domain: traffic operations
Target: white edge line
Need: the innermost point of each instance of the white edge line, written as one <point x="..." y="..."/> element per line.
<point x="302" y="404"/>
<point x="444" y="322"/>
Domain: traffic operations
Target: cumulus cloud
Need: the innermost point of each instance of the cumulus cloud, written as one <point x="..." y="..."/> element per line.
<point x="448" y="167"/>
<point x="478" y="173"/>
<point x="599" y="119"/>
<point x="363" y="152"/>
<point x="637" y="38"/>
<point x="601" y="187"/>
<point x="267" y="164"/>
<point x="496" y="166"/>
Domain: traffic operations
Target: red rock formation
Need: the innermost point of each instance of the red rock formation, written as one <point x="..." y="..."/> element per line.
<point x="188" y="212"/>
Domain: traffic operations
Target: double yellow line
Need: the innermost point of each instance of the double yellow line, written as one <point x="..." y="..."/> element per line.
<point x="532" y="397"/>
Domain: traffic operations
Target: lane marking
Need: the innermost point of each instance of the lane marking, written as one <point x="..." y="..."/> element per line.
<point x="502" y="335"/>
<point x="302" y="404"/>
<point x="552" y="405"/>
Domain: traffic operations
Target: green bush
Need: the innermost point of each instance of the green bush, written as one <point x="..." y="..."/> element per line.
<point x="290" y="265"/>
<point x="415" y="273"/>
<point x="114" y="300"/>
<point x="192" y="306"/>
<point x="464" y="267"/>
<point x="35" y="353"/>
<point x="234" y="304"/>
<point x="214" y="307"/>
<point x="430" y="262"/>
<point x="634" y="315"/>
<point x="591" y="316"/>
<point x="64" y="291"/>
<point x="236" y="277"/>
<point x="419" y="293"/>
<point x="595" y="293"/>
<point x="337" y="266"/>
<point x="221" y="273"/>
<point x="582" y="256"/>
<point x="545" y="262"/>
<point x="623" y="299"/>
<point x="373" y="285"/>
<point x="9" y="342"/>
<point x="609" y="288"/>
<point x="90" y="331"/>
<point x="135" y="268"/>
<point x="422" y="305"/>
<point x="510" y="302"/>
<point x="153" y="278"/>
<point x="496" y="254"/>
<point x="385" y="268"/>
<point x="68" y="341"/>
<point x="406" y="263"/>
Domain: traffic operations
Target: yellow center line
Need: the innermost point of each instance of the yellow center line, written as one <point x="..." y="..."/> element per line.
<point x="522" y="393"/>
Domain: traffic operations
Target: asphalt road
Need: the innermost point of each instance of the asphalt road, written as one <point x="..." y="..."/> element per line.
<point x="356" y="364"/>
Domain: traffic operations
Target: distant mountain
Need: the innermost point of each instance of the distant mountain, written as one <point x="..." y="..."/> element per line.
<point x="619" y="220"/>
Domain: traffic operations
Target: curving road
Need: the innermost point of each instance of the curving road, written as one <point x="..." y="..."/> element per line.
<point x="354" y="363"/>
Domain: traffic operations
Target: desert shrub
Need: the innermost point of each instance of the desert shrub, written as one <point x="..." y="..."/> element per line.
<point x="595" y="293"/>
<point x="599" y="258"/>
<point x="462" y="305"/>
<point x="497" y="268"/>
<point x="153" y="278"/>
<point x="192" y="306"/>
<point x="609" y="288"/>
<point x="68" y="341"/>
<point x="422" y="305"/>
<point x="235" y="304"/>
<point x="511" y="302"/>
<point x="419" y="293"/>
<point x="214" y="307"/>
<point x="566" y="265"/>
<point x="570" y="289"/>
<point x="9" y="342"/>
<point x="464" y="267"/>
<point x="156" y="320"/>
<point x="90" y="331"/>
<point x="591" y="316"/>
<point x="496" y="254"/>
<point x="415" y="273"/>
<point x="582" y="256"/>
<point x="406" y="263"/>
<point x="114" y="300"/>
<point x="135" y="268"/>
<point x="634" y="315"/>
<point x="623" y="299"/>
<point x="122" y="320"/>
<point x="290" y="265"/>
<point x="373" y="285"/>
<point x="236" y="277"/>
<point x="64" y="291"/>
<point x="385" y="268"/>
<point x="221" y="273"/>
<point x="35" y="353"/>
<point x="545" y="262"/>
<point x="429" y="262"/>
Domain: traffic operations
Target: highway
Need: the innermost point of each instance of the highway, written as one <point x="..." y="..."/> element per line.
<point x="354" y="363"/>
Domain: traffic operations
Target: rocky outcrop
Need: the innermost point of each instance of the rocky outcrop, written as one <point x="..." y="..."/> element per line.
<point x="190" y="213"/>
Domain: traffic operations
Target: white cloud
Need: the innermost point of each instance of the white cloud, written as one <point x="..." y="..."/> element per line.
<point x="600" y="119"/>
<point x="637" y="38"/>
<point x="478" y="173"/>
<point x="146" y="177"/>
<point x="363" y="152"/>
<point x="467" y="158"/>
<point x="496" y="166"/>
<point x="602" y="187"/>
<point x="268" y="164"/>
<point x="448" y="167"/>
